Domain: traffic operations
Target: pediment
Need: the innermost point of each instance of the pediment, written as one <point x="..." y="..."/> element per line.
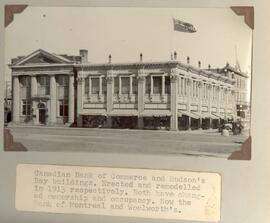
<point x="41" y="57"/>
<point x="38" y="59"/>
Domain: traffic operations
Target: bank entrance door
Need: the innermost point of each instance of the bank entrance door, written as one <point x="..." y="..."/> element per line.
<point x="42" y="113"/>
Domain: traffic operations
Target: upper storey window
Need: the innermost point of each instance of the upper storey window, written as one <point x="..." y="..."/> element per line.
<point x="63" y="82"/>
<point x="43" y="85"/>
<point x="157" y="85"/>
<point x="25" y="87"/>
<point x="95" y="85"/>
<point x="125" y="85"/>
<point x="167" y="85"/>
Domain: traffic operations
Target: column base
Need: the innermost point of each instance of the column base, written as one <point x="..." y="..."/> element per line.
<point x="173" y="129"/>
<point x="140" y="123"/>
<point x="13" y="123"/>
<point x="174" y="124"/>
<point x="51" y="124"/>
<point x="80" y="121"/>
<point x="69" y="124"/>
<point x="109" y="122"/>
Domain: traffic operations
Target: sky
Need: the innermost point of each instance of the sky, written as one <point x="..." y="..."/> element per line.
<point x="126" y="32"/>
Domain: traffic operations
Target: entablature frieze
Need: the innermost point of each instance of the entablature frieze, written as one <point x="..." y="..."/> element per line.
<point x="42" y="72"/>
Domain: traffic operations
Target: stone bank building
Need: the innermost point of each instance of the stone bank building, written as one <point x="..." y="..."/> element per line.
<point x="50" y="89"/>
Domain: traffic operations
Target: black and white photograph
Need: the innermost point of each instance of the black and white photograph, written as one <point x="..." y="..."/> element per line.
<point x="169" y="81"/>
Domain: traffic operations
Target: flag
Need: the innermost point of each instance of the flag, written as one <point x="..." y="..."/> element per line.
<point x="183" y="26"/>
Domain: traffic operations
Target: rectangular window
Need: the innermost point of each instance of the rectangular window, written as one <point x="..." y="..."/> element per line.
<point x="104" y="85"/>
<point x="25" y="81"/>
<point x="205" y="90"/>
<point x="193" y="88"/>
<point x="125" y="85"/>
<point x="25" y="87"/>
<point x="134" y="85"/>
<point x="63" y="82"/>
<point x="197" y="89"/>
<point x="116" y="85"/>
<point x="147" y="85"/>
<point x="167" y="85"/>
<point x="63" y="108"/>
<point x="43" y="85"/>
<point x="86" y="85"/>
<point x="26" y="107"/>
<point x="157" y="84"/>
<point x="95" y="85"/>
<point x="184" y="86"/>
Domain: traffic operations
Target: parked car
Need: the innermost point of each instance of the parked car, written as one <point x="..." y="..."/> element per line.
<point x="227" y="126"/>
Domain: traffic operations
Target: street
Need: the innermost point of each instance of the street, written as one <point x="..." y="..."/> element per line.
<point x="64" y="139"/>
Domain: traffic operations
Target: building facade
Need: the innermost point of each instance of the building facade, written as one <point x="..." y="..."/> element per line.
<point x="43" y="88"/>
<point x="53" y="89"/>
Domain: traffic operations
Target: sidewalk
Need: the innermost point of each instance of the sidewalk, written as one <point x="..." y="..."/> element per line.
<point x="197" y="131"/>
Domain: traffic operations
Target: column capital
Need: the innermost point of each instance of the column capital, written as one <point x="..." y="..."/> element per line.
<point x="110" y="72"/>
<point x="141" y="75"/>
<point x="174" y="77"/>
<point x="80" y="80"/>
<point x="109" y="79"/>
<point x="141" y="72"/>
<point x="209" y="85"/>
<point x="174" y="71"/>
<point x="141" y="78"/>
<point x="188" y="79"/>
<point x="110" y="76"/>
<point x="174" y="74"/>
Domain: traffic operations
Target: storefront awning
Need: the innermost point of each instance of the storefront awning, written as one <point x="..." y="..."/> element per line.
<point x="155" y="113"/>
<point x="94" y="112"/>
<point x="122" y="112"/>
<point x="207" y="115"/>
<point x="190" y="114"/>
<point x="218" y="115"/>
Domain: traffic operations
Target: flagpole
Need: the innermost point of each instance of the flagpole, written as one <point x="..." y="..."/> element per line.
<point x="172" y="32"/>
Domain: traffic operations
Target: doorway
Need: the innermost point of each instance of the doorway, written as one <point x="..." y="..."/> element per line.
<point x="42" y="113"/>
<point x="42" y="116"/>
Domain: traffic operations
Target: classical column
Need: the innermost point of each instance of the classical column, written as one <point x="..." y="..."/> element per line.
<point x="210" y="98"/>
<point x="219" y="99"/>
<point x="200" y="89"/>
<point x="100" y="87"/>
<point x="71" y="99"/>
<point x="174" y="100"/>
<point x="80" y="98"/>
<point x="16" y="99"/>
<point x="141" y="91"/>
<point x="189" y="95"/>
<point x="110" y="82"/>
<point x="130" y="85"/>
<point x="151" y="85"/>
<point x="163" y="86"/>
<point x="33" y="85"/>
<point x="120" y="86"/>
<point x="33" y="94"/>
<point x="52" y="100"/>
<point x="226" y="102"/>
<point x="89" y="86"/>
